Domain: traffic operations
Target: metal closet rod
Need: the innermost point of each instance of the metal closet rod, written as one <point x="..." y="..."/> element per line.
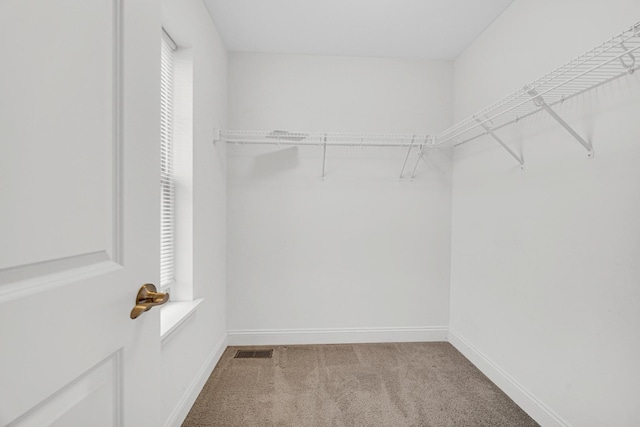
<point x="311" y="139"/>
<point x="285" y="138"/>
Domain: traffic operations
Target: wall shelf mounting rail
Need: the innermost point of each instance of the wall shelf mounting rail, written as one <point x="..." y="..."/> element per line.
<point x="606" y="62"/>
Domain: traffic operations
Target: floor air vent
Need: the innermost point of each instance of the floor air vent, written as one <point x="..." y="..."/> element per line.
<point x="253" y="354"/>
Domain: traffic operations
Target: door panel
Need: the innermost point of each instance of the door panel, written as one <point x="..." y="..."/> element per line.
<point x="96" y="392"/>
<point x="79" y="222"/>
<point x="57" y="105"/>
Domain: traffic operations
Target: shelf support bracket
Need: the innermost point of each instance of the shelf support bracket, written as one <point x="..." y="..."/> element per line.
<point x="419" y="157"/>
<point x="502" y="143"/>
<point x="324" y="156"/>
<point x="404" y="165"/>
<point x="631" y="66"/>
<point x="540" y="102"/>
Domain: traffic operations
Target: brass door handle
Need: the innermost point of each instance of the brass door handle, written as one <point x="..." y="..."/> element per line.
<point x="148" y="296"/>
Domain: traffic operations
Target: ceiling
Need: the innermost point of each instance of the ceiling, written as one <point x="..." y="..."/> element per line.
<point x="430" y="29"/>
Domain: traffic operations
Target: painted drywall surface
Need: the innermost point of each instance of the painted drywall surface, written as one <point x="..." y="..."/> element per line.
<point x="339" y="94"/>
<point x="545" y="262"/>
<point x="360" y="249"/>
<point x="189" y="347"/>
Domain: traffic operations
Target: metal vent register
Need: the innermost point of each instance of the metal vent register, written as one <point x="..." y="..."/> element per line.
<point x="253" y="354"/>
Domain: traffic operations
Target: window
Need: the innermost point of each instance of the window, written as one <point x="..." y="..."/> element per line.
<point x="167" y="177"/>
<point x="176" y="184"/>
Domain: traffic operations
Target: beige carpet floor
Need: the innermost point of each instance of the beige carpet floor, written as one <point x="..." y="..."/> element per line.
<point x="395" y="385"/>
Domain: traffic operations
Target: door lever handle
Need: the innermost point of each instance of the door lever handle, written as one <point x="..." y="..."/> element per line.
<point x="148" y="296"/>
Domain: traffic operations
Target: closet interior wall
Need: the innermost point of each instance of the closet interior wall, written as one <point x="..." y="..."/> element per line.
<point x="545" y="271"/>
<point x="360" y="256"/>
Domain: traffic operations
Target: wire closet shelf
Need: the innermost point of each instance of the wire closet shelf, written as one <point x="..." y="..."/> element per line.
<point x="610" y="60"/>
<point x="606" y="62"/>
<point x="281" y="137"/>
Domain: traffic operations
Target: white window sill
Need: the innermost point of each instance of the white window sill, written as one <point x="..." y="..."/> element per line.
<point x="173" y="314"/>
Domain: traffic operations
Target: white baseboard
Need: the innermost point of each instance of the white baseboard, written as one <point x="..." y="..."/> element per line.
<point x="528" y="402"/>
<point x="336" y="336"/>
<point x="180" y="412"/>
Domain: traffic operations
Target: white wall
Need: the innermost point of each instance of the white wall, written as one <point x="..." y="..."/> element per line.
<point x="340" y="94"/>
<point x="546" y="262"/>
<point x="359" y="256"/>
<point x="190" y="353"/>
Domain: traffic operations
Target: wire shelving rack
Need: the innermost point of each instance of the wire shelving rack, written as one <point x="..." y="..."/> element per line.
<point x="280" y="137"/>
<point x="604" y="63"/>
<point x="412" y="142"/>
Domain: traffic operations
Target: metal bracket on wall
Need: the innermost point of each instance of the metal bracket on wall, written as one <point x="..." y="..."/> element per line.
<point x="324" y="156"/>
<point x="404" y="165"/>
<point x="419" y="157"/>
<point x="486" y="125"/>
<point x="631" y="67"/>
<point x="538" y="100"/>
<point x="216" y="135"/>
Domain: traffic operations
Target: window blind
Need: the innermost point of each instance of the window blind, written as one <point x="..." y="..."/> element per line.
<point x="167" y="179"/>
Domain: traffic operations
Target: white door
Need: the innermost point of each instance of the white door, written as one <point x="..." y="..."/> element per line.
<point x="79" y="114"/>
